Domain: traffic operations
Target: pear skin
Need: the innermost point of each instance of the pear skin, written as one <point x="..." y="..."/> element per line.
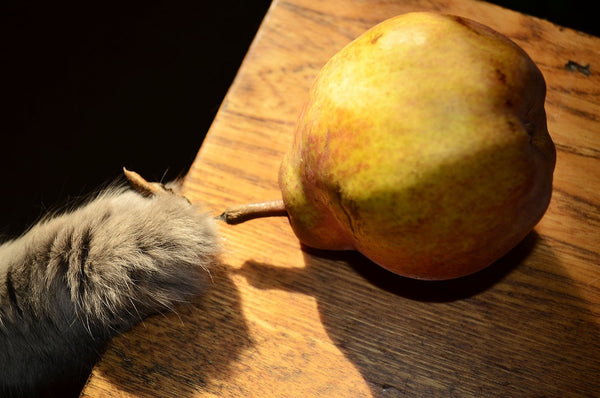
<point x="423" y="145"/>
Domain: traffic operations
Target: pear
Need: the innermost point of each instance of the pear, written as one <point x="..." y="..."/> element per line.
<point x="424" y="146"/>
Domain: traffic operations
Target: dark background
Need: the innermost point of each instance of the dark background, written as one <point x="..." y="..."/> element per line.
<point x="88" y="89"/>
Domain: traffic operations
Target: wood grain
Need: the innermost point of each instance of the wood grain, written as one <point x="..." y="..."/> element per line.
<point x="280" y="321"/>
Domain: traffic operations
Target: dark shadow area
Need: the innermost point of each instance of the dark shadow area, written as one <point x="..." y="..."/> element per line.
<point x="433" y="291"/>
<point x="580" y="16"/>
<point x="499" y="332"/>
<point x="90" y="88"/>
<point x="178" y="355"/>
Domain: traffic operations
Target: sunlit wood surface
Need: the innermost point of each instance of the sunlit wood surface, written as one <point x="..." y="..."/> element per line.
<point x="281" y="322"/>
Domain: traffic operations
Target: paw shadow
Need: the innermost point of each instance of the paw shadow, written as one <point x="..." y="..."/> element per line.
<point x="487" y="334"/>
<point x="181" y="353"/>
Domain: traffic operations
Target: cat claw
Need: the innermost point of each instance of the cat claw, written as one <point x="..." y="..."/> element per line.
<point x="145" y="188"/>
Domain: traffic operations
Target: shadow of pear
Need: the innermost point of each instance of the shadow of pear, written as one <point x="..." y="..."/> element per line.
<point x="183" y="353"/>
<point x="492" y="333"/>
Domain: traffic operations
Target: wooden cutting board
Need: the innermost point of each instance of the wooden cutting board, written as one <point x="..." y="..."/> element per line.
<point x="281" y="322"/>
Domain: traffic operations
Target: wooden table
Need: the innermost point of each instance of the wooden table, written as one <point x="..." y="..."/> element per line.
<point x="280" y="322"/>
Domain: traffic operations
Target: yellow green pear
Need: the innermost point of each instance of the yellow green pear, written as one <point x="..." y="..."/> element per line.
<point x="424" y="146"/>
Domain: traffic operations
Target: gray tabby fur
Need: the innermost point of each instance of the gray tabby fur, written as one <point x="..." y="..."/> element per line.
<point x="75" y="280"/>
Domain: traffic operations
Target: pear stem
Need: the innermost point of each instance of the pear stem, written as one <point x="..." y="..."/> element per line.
<point x="239" y="214"/>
